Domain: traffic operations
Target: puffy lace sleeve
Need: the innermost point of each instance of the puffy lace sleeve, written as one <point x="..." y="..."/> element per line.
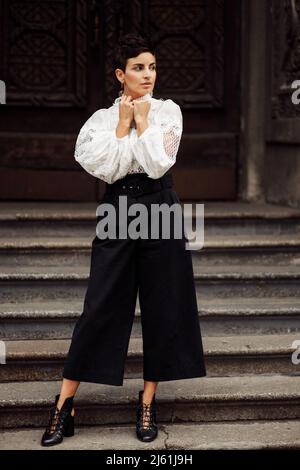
<point x="100" y="152"/>
<point x="156" y="148"/>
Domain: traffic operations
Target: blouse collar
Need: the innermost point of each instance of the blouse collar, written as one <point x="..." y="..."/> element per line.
<point x="146" y="97"/>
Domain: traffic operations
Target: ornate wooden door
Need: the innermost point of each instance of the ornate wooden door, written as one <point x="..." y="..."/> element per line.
<point x="57" y="64"/>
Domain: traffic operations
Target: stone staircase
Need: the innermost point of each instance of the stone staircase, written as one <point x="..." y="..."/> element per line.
<point x="247" y="280"/>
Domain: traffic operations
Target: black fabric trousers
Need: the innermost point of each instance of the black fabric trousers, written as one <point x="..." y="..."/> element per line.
<point x="160" y="272"/>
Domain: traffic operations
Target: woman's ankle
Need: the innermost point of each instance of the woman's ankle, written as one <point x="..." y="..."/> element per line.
<point x="61" y="402"/>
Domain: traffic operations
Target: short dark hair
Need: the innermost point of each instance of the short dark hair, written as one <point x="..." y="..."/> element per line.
<point x="131" y="45"/>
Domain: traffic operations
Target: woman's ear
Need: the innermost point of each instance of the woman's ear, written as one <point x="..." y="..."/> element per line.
<point x="119" y="74"/>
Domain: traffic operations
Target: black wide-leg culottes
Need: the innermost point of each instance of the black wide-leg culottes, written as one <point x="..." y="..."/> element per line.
<point x="160" y="271"/>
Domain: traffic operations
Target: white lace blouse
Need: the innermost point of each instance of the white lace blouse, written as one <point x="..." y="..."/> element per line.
<point x="102" y="154"/>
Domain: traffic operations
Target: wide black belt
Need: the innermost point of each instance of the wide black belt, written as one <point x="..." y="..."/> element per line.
<point x="137" y="184"/>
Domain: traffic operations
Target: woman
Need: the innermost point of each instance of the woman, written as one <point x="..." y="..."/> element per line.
<point x="131" y="146"/>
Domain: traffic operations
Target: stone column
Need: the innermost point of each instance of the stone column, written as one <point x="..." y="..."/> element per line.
<point x="253" y="76"/>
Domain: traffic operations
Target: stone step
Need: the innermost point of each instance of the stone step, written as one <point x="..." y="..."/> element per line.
<point x="60" y="219"/>
<point x="250" y="435"/>
<point x="26" y="404"/>
<point x="29" y="283"/>
<point x="55" y="319"/>
<point x="217" y="250"/>
<point x="35" y="360"/>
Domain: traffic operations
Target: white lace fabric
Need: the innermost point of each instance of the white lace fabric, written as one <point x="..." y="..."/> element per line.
<point x="107" y="157"/>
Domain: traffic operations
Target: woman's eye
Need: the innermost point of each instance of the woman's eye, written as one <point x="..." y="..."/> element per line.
<point x="138" y="68"/>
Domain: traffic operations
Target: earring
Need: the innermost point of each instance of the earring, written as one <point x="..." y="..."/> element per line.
<point x="122" y="89"/>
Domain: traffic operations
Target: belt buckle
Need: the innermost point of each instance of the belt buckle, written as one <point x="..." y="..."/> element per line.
<point x="134" y="188"/>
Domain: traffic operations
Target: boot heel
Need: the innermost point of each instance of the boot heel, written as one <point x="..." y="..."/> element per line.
<point x="69" y="432"/>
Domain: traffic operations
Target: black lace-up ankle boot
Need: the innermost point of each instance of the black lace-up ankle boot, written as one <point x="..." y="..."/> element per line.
<point x="146" y="426"/>
<point x="60" y="424"/>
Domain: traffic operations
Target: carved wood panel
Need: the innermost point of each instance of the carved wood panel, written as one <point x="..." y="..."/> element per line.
<point x="44" y="63"/>
<point x="189" y="40"/>
<point x="284" y="42"/>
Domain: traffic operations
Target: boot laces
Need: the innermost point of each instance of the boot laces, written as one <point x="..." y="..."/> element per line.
<point x="56" y="419"/>
<point x="146" y="415"/>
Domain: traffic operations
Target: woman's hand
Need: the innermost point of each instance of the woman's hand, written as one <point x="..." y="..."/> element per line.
<point x="126" y="107"/>
<point x="141" y="110"/>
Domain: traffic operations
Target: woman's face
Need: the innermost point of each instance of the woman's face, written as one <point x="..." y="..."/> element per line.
<point x="139" y="70"/>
